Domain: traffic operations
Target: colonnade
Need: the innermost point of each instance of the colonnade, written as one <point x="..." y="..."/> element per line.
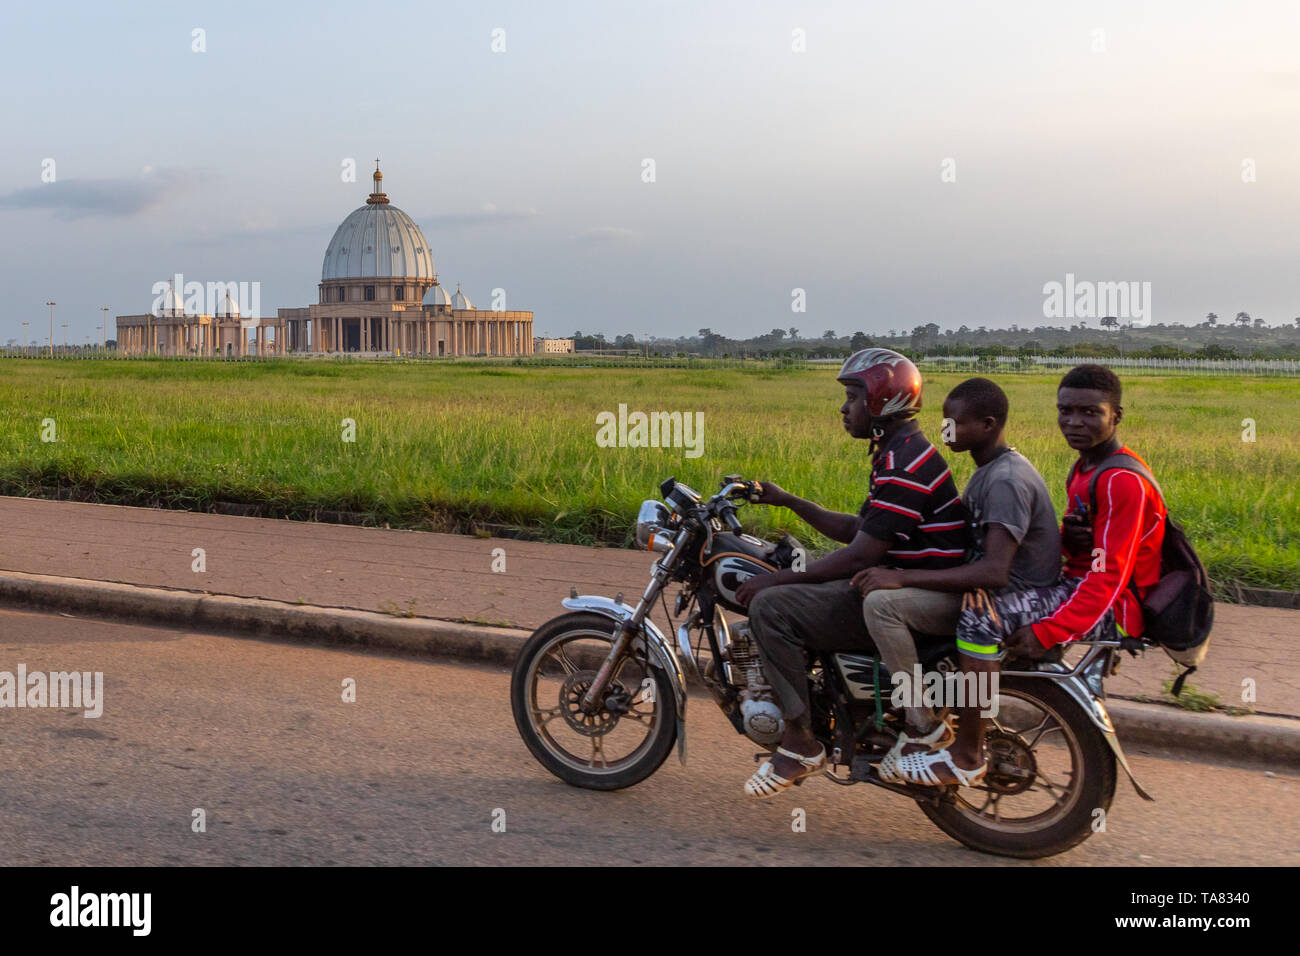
<point x="420" y="335"/>
<point x="206" y="339"/>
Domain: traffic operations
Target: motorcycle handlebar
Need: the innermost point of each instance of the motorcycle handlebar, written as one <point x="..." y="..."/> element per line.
<point x="723" y="507"/>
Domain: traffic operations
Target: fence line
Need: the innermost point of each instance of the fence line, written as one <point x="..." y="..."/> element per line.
<point x="1285" y="368"/>
<point x="568" y="361"/>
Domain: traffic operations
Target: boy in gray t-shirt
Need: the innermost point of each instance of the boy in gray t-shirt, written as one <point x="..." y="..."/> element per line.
<point x="1008" y="491"/>
<point x="1017" y="546"/>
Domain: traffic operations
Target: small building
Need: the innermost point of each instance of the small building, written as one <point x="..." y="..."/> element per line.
<point x="553" y="346"/>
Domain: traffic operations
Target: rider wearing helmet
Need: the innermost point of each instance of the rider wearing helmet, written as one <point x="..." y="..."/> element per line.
<point x="912" y="518"/>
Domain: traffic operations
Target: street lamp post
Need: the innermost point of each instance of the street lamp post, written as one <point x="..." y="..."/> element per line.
<point x="51" y="305"/>
<point x="103" y="339"/>
<point x="24" y="340"/>
<point x="65" y="339"/>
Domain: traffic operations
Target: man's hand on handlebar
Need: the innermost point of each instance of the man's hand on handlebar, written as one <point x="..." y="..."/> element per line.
<point x="770" y="493"/>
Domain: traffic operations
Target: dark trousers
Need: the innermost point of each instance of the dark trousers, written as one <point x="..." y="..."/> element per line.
<point x="789" y="619"/>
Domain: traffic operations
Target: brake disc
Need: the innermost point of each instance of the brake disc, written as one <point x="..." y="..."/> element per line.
<point x="600" y="722"/>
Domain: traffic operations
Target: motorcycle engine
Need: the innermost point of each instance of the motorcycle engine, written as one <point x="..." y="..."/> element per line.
<point x="760" y="714"/>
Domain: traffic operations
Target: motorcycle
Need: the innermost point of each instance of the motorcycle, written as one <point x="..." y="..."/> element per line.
<point x="599" y="694"/>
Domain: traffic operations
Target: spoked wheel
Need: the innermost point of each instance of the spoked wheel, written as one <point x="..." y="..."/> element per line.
<point x="1050" y="772"/>
<point x="619" y="743"/>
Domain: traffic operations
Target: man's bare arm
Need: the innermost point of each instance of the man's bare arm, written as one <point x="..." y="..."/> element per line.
<point x="834" y="524"/>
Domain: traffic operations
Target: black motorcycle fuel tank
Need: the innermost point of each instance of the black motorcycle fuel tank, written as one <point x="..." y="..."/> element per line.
<point x="732" y="559"/>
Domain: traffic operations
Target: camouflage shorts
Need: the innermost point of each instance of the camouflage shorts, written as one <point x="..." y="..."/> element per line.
<point x="986" y="622"/>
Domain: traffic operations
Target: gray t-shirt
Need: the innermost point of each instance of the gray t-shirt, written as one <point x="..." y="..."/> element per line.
<point x="1009" y="491"/>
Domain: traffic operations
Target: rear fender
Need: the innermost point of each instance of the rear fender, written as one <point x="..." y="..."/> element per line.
<point x="1095" y="708"/>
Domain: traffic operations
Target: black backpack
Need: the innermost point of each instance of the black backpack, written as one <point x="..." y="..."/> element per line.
<point x="1178" y="612"/>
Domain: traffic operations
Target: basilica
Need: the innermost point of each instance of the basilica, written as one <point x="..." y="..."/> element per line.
<point x="379" y="293"/>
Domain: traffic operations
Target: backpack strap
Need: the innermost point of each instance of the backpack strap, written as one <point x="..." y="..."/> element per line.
<point x="1122" y="462"/>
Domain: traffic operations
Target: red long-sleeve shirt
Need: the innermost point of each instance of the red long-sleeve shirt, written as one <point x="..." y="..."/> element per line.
<point x="1129" y="529"/>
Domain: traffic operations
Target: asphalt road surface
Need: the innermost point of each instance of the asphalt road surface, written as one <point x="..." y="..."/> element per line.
<point x="258" y="736"/>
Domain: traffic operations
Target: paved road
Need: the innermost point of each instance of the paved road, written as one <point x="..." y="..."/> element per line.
<point x="451" y="577"/>
<point x="257" y="734"/>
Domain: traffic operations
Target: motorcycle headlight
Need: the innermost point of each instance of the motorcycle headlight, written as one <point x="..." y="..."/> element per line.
<point x="652" y="527"/>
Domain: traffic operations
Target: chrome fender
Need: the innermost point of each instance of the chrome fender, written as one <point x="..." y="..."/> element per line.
<point x="659" y="650"/>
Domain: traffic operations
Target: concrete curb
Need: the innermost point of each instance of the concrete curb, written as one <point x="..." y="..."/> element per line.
<point x="257" y="617"/>
<point x="1140" y="726"/>
<point x="1156" y="727"/>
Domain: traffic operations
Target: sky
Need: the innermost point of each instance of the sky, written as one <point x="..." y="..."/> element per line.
<point x="898" y="163"/>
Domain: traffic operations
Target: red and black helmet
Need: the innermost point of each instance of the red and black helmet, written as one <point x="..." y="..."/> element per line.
<point x="892" y="382"/>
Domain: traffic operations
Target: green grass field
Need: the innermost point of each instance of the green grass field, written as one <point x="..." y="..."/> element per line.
<point x="460" y="446"/>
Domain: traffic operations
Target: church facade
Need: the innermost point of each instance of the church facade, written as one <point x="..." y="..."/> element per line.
<point x="379" y="293"/>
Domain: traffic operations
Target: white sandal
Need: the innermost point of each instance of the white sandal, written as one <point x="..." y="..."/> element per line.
<point x="766" y="783"/>
<point x="919" y="769"/>
<point x="942" y="736"/>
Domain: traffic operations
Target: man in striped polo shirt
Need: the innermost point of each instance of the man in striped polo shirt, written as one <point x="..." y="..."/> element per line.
<point x="913" y="517"/>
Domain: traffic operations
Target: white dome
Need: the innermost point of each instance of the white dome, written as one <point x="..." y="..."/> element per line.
<point x="172" y="304"/>
<point x="377" y="240"/>
<point x="437" y="295"/>
<point x="460" y="301"/>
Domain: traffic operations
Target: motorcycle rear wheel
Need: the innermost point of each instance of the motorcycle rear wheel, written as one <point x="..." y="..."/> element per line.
<point x="1083" y="800"/>
<point x="548" y="676"/>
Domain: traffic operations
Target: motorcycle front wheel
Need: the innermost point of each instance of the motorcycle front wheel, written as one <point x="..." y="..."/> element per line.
<point x="1050" y="782"/>
<point x="620" y="744"/>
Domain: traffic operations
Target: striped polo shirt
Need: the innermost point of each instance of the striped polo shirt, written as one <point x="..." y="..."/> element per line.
<point x="914" y="505"/>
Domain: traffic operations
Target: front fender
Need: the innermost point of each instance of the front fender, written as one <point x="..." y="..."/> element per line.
<point x="659" y="648"/>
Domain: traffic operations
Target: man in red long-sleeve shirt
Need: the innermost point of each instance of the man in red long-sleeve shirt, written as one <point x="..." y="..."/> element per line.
<point x="1104" y="552"/>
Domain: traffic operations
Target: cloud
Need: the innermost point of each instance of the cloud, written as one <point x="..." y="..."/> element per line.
<point x="78" y="198"/>
<point x="488" y="213"/>
<point x="608" y="234"/>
